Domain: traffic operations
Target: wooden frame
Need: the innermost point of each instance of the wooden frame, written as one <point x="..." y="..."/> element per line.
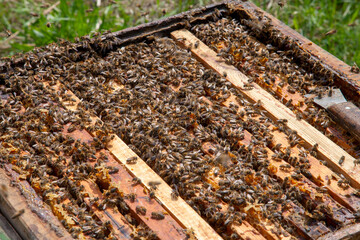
<point x="179" y="210"/>
<point x="29" y="225"/>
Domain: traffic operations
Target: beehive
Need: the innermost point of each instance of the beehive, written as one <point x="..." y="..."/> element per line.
<point x="194" y="126"/>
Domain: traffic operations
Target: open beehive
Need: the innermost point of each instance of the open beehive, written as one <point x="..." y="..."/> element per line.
<point x="195" y="126"/>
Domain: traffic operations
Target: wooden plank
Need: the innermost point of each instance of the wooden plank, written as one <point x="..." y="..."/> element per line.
<point x="29" y="225"/>
<point x="348" y="232"/>
<point x="294" y="99"/>
<point x="168" y="228"/>
<point x="323" y="176"/>
<point x="294" y="216"/>
<point x="327" y="149"/>
<point x="247" y="232"/>
<point x="7" y="232"/>
<point x="178" y="209"/>
<point x="349" y="81"/>
<point x="121" y="228"/>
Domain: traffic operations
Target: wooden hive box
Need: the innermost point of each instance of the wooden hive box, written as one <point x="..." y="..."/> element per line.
<point x="191" y="127"/>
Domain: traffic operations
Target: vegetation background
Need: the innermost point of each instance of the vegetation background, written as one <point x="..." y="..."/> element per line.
<point x="25" y="24"/>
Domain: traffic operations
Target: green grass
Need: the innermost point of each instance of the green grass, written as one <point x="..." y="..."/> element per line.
<point x="314" y="19"/>
<point x="67" y="20"/>
<point x="72" y="19"/>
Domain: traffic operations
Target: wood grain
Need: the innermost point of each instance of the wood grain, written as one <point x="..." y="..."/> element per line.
<point x="323" y="176"/>
<point x="167" y="229"/>
<point x="178" y="209"/>
<point x="28" y="225"/>
<point x="276" y="110"/>
<point x="345" y="233"/>
<point x="280" y="89"/>
<point x="348" y="81"/>
<point x="121" y="228"/>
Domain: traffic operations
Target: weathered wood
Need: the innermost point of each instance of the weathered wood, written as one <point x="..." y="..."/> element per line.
<point x="121" y="228"/>
<point x="7" y="232"/>
<point x="345" y="233"/>
<point x="323" y="176"/>
<point x="292" y="216"/>
<point x="349" y="81"/>
<point x="348" y="115"/>
<point x="276" y="110"/>
<point x="167" y="228"/>
<point x="29" y="225"/>
<point x="178" y="209"/>
<point x="247" y="232"/>
<point x="294" y="99"/>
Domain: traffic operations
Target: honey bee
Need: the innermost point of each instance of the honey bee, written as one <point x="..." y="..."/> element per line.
<point x="196" y="45"/>
<point x="331" y="32"/>
<point x="154" y="184"/>
<point x="131" y="160"/>
<point x="356" y="162"/>
<point x="354" y="68"/>
<point x="343" y="183"/>
<point x="113" y="170"/>
<point x="71" y="128"/>
<point x="285" y="167"/>
<point x="281" y="3"/>
<point x="131" y="197"/>
<point x="157" y="215"/>
<point x="341" y="161"/>
<point x="141" y="210"/>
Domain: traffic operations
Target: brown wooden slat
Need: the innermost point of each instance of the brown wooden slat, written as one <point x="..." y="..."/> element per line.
<point x="328" y="149"/>
<point x="29" y="225"/>
<point x="297" y="100"/>
<point x="292" y="215"/>
<point x="120" y="226"/>
<point x="345" y="196"/>
<point x="167" y="228"/>
<point x="348" y="232"/>
<point x="350" y="81"/>
<point x="178" y="209"/>
<point x="323" y="177"/>
<point x="246" y="231"/>
<point x="266" y="228"/>
<point x="340" y="214"/>
<point x="250" y="232"/>
<point x="7" y="230"/>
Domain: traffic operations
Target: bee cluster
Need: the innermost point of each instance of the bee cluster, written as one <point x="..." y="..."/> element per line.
<point x="38" y="141"/>
<point x="279" y="65"/>
<point x="188" y="123"/>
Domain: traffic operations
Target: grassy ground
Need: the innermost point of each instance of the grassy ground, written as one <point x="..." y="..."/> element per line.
<point x="314" y="19"/>
<point x="37" y="22"/>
